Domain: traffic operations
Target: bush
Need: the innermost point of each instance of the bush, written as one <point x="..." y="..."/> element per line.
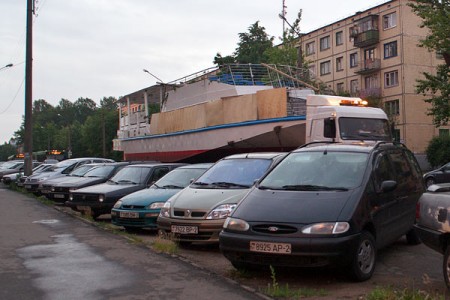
<point x="438" y="151"/>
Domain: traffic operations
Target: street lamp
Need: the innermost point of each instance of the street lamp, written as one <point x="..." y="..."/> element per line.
<point x="163" y="95"/>
<point x="146" y="71"/>
<point x="7" y="66"/>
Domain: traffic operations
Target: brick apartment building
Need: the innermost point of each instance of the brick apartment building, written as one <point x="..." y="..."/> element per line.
<point x="375" y="53"/>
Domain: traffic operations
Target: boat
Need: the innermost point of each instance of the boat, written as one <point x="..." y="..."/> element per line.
<point x="214" y="113"/>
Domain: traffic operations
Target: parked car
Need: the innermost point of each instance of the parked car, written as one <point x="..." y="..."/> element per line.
<point x="141" y="209"/>
<point x="327" y="204"/>
<point x="61" y="168"/>
<point x="14" y="166"/>
<point x="16" y="177"/>
<point x="197" y="213"/>
<point x="440" y="175"/>
<point x="60" y="191"/>
<point x="99" y="199"/>
<point x="432" y="223"/>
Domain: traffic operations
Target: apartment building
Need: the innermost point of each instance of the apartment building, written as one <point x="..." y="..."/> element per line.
<point x="375" y="53"/>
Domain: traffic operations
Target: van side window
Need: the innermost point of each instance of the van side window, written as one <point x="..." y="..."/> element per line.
<point x="415" y="168"/>
<point x="383" y="170"/>
<point x="400" y="163"/>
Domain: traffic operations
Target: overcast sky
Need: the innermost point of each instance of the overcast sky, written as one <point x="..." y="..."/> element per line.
<point x="98" y="48"/>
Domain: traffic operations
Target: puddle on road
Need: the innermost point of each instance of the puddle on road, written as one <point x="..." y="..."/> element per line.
<point x="68" y="269"/>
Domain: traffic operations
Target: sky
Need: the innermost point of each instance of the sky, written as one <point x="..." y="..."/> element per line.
<point x="99" y="48"/>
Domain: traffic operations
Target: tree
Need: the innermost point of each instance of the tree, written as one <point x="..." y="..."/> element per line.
<point x="437" y="151"/>
<point x="252" y="45"/>
<point x="435" y="16"/>
<point x="6" y="150"/>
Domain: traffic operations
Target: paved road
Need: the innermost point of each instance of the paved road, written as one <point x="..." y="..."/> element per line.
<point x="45" y="254"/>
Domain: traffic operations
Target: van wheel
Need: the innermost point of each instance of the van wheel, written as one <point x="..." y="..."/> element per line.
<point x="446" y="267"/>
<point x="412" y="238"/>
<point x="362" y="265"/>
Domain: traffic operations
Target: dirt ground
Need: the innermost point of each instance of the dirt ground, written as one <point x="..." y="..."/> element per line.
<point x="400" y="265"/>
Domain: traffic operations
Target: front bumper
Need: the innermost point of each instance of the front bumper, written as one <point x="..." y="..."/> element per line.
<point x="305" y="251"/>
<point x="208" y="230"/>
<point x="144" y="219"/>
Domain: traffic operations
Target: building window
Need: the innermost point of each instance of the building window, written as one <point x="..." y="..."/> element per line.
<point x="310" y="48"/>
<point x="444" y="132"/>
<point x="371" y="82"/>
<point x="339" y="64"/>
<point x="339" y="38"/>
<point x="354" y="87"/>
<point x="389" y="21"/>
<point x="340" y="87"/>
<point x="391" y="79"/>
<point x="390" y="49"/>
<point x="312" y="70"/>
<point x="325" y="68"/>
<point x="392" y="108"/>
<point x="324" y="43"/>
<point x="353" y="60"/>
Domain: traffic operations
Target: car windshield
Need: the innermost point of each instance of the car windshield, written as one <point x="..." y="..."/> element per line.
<point x="131" y="175"/>
<point x="234" y="173"/>
<point x="11" y="165"/>
<point x="102" y="171"/>
<point x="81" y="170"/>
<point x="364" y="129"/>
<point x="178" y="178"/>
<point x="312" y="171"/>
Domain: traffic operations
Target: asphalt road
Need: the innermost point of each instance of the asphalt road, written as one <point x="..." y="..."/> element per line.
<point x="46" y="254"/>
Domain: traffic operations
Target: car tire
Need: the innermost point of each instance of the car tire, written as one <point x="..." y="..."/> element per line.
<point x="446" y="267"/>
<point x="412" y="238"/>
<point x="429" y="181"/>
<point x="362" y="263"/>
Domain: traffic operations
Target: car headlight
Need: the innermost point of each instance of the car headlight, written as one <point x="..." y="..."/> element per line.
<point x="327" y="228"/>
<point x="221" y="212"/>
<point x="118" y="204"/>
<point x="42" y="179"/>
<point x="52" y="189"/>
<point x="165" y="210"/>
<point x="101" y="198"/>
<point x="155" y="205"/>
<point x="236" y="224"/>
<point x="70" y="197"/>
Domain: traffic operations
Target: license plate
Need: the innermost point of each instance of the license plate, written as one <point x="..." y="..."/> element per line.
<point x="184" y="229"/>
<point x="28" y="187"/>
<point x="58" y="196"/>
<point x="279" y="248"/>
<point x="129" y="214"/>
<point x="45" y="191"/>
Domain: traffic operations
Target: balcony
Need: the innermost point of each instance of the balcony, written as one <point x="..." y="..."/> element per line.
<point x="366" y="38"/>
<point x="369" y="66"/>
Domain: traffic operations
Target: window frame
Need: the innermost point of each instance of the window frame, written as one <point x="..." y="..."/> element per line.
<point x="310" y="50"/>
<point x="322" y="68"/>
<point x="325" y="45"/>
<point x="391" y="79"/>
<point x="339" y="38"/>
<point x="354" y="60"/>
<point x="339" y="64"/>
<point x="390" y="49"/>
<point x="390" y="20"/>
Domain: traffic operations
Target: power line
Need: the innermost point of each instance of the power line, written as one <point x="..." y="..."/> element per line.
<point x="15" y="96"/>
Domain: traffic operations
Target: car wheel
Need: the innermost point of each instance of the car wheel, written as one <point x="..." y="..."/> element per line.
<point x="430" y="181"/>
<point x="446" y="267"/>
<point x="362" y="264"/>
<point x="412" y="238"/>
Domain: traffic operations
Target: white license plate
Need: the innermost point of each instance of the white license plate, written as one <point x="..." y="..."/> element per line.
<point x="129" y="214"/>
<point x="184" y="229"/>
<point x="58" y="196"/>
<point x="279" y="248"/>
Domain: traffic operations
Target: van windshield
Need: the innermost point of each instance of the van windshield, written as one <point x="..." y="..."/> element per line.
<point x="364" y="129"/>
<point x="317" y="171"/>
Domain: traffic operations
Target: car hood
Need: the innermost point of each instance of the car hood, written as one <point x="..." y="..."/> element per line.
<point x="80" y="181"/>
<point x="292" y="206"/>
<point x="191" y="198"/>
<point x="149" y="196"/>
<point x="107" y="188"/>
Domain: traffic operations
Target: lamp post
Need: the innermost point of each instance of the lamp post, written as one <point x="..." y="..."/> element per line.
<point x="162" y="94"/>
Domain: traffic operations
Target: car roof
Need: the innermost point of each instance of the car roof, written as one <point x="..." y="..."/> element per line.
<point x="153" y="164"/>
<point x="348" y="147"/>
<point x="263" y="155"/>
<point x="197" y="166"/>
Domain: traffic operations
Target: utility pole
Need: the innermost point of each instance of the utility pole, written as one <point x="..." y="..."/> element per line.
<point x="28" y="138"/>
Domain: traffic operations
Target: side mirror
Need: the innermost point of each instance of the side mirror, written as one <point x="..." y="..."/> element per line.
<point x="388" y="186"/>
<point x="329" y="128"/>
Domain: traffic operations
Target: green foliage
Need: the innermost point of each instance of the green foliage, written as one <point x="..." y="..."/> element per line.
<point x="388" y="293"/>
<point x="6" y="150"/>
<point x="438" y="151"/>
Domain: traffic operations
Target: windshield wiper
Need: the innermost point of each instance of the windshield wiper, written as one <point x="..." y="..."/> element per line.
<point x="229" y="184"/>
<point x="126" y="181"/>
<point x="172" y="186"/>
<point x="200" y="183"/>
<point x="309" y="187"/>
<point x="112" y="181"/>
